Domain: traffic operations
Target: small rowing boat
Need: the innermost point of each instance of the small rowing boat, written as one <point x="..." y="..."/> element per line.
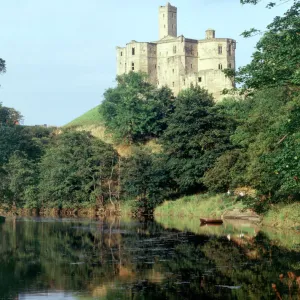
<point x="211" y="221"/>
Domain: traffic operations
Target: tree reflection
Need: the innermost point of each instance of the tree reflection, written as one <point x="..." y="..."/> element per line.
<point x="110" y="259"/>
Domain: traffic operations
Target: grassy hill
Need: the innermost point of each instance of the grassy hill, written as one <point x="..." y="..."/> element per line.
<point x="91" y="117"/>
<point x="93" y="122"/>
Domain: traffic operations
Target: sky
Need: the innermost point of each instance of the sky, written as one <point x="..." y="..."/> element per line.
<point x="61" y="54"/>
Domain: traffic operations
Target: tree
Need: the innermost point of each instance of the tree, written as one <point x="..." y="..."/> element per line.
<point x="18" y="176"/>
<point x="276" y="60"/>
<point x="145" y="177"/>
<point x="135" y="110"/>
<point x="266" y="141"/>
<point x="18" y="138"/>
<point x="76" y="170"/>
<point x="197" y="134"/>
<point x="9" y="116"/>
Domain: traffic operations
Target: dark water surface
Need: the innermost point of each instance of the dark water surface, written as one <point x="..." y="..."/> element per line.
<point x="115" y="259"/>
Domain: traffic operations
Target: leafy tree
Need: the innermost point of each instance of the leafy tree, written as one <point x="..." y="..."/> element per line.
<point x="276" y="60"/>
<point x="76" y="170"/>
<point x="227" y="171"/>
<point x="197" y="134"/>
<point x="18" y="175"/>
<point x="9" y="116"/>
<point x="145" y="177"/>
<point x="135" y="110"/>
<point x="266" y="142"/>
<point x="17" y="138"/>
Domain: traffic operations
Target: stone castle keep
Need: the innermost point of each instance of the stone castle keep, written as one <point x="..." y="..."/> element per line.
<point x="177" y="61"/>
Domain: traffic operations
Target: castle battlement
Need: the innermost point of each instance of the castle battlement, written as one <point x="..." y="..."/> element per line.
<point x="177" y="61"/>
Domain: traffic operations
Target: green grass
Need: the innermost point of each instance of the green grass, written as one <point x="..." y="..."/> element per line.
<point x="283" y="216"/>
<point x="127" y="207"/>
<point x="92" y="117"/>
<point x="211" y="206"/>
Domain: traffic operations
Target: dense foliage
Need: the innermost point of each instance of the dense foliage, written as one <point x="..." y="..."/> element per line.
<point x="276" y="60"/>
<point x="135" y="110"/>
<point x="76" y="171"/>
<point x="145" y="177"/>
<point x="267" y="130"/>
<point x="40" y="168"/>
<point x="198" y="133"/>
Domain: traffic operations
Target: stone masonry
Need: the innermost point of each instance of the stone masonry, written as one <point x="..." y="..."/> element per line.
<point x="177" y="61"/>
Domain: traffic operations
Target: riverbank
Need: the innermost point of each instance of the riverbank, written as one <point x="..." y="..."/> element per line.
<point x="90" y="212"/>
<point x="218" y="206"/>
<point x="202" y="205"/>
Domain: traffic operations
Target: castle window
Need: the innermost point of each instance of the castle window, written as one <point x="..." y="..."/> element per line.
<point x="155" y="67"/>
<point x="199" y="79"/>
<point x="173" y="83"/>
<point x="174" y="49"/>
<point x="164" y="26"/>
<point x="133" y="51"/>
<point x="121" y="53"/>
<point x="183" y="81"/>
<point x="173" y="71"/>
<point x="163" y="15"/>
<point x="229" y="66"/>
<point x="220" y="49"/>
<point x="132" y="66"/>
<point x="220" y="67"/>
<point x="191" y="66"/>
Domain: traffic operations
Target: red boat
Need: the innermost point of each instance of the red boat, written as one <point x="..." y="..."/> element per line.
<point x="211" y="221"/>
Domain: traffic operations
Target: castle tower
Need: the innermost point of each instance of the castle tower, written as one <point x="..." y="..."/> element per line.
<point x="210" y="34"/>
<point x="167" y="21"/>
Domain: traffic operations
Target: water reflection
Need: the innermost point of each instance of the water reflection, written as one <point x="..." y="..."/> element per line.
<point x="113" y="259"/>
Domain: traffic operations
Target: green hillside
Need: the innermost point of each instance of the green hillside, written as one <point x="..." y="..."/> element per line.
<point x="91" y="117"/>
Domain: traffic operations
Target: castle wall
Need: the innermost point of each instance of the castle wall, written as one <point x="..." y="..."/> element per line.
<point x="214" y="52"/>
<point x="152" y="62"/>
<point x="212" y="80"/>
<point x="134" y="57"/>
<point x="169" y="63"/>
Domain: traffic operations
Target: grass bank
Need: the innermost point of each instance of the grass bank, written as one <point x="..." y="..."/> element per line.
<point x="203" y="205"/>
<point x="283" y="216"/>
<point x="214" y="206"/>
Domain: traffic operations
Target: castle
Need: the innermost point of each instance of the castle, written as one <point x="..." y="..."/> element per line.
<point x="177" y="61"/>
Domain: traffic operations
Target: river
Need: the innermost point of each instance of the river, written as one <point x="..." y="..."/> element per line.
<point x="44" y="258"/>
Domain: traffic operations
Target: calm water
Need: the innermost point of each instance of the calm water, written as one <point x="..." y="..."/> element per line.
<point x="114" y="259"/>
